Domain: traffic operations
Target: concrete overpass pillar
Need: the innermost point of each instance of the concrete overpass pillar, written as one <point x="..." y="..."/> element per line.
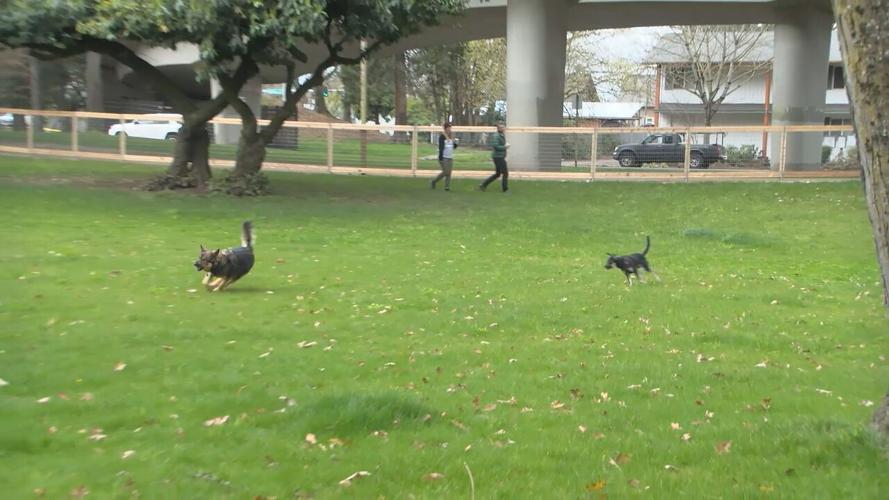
<point x="802" y="57"/>
<point x="251" y="93"/>
<point x="535" y="81"/>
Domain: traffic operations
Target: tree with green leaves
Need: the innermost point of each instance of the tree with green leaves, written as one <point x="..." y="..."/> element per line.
<point x="380" y="87"/>
<point x="51" y="29"/>
<point x="279" y="34"/>
<point x="14" y="87"/>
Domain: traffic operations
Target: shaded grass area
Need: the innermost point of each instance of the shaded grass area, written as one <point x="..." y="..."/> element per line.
<point x="414" y="331"/>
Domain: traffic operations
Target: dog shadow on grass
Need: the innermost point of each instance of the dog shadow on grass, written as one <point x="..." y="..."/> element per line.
<point x="354" y="414"/>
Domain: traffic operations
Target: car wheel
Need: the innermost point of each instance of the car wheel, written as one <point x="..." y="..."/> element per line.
<point x="627" y="160"/>
<point x="118" y="134"/>
<point x="697" y="161"/>
<point x="172" y="136"/>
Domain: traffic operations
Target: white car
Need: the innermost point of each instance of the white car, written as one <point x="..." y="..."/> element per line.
<point x="156" y="126"/>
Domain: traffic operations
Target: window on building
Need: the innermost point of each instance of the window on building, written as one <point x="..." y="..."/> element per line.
<point x="836" y="77"/>
<point x="837" y="122"/>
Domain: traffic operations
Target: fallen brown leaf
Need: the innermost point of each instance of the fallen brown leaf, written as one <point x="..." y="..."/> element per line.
<point x="433" y="476"/>
<point x="598" y="485"/>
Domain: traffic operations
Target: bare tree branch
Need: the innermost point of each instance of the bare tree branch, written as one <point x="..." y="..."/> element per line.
<point x="713" y="62"/>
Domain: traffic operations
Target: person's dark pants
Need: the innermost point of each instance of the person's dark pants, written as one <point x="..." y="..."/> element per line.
<point x="500" y="171"/>
<point x="447" y="165"/>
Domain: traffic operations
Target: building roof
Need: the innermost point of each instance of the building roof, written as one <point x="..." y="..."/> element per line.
<point x="604" y="110"/>
<point x="666" y="50"/>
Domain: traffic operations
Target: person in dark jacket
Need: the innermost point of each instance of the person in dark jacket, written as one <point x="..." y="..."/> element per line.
<point x="498" y="154"/>
<point x="446" y="146"/>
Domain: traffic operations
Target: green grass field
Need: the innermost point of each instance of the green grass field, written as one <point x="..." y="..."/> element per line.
<point x="312" y="150"/>
<point x="418" y="335"/>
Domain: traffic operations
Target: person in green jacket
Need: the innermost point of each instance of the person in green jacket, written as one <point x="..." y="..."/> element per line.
<point x="498" y="154"/>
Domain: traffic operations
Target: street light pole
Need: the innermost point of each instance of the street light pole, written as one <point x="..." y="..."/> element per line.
<point x="362" y="112"/>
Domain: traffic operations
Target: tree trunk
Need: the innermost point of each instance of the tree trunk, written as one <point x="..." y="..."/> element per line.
<point x="400" y="90"/>
<point x="191" y="159"/>
<point x="18" y="122"/>
<point x="400" y="96"/>
<point x="95" y="97"/>
<point x="36" y="92"/>
<point x="320" y="102"/>
<point x="863" y="25"/>
<point x="251" y="154"/>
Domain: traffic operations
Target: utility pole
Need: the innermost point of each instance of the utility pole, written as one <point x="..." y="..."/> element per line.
<point x="362" y="112"/>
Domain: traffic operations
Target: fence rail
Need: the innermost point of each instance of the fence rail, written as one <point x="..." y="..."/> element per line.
<point x="565" y="153"/>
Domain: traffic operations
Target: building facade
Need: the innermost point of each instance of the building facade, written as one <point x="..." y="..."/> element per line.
<point x="751" y="104"/>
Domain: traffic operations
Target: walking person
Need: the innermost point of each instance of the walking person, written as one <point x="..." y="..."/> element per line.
<point x="446" y="146"/>
<point x="498" y="154"/>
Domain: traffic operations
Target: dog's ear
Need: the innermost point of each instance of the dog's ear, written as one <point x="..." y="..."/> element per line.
<point x="202" y="248"/>
<point x="609" y="254"/>
<point x="214" y="253"/>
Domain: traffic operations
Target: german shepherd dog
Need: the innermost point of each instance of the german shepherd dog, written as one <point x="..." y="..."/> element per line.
<point x="631" y="263"/>
<point x="224" y="267"/>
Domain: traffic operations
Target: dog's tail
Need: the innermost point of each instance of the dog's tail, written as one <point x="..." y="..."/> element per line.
<point x="247" y="234"/>
<point x="647" y="245"/>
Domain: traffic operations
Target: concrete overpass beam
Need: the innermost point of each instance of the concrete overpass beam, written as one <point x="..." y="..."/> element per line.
<point x="802" y="56"/>
<point x="535" y="80"/>
<point x="251" y="93"/>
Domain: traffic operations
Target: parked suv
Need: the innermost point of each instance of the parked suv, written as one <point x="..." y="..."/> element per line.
<point x="667" y="148"/>
<point x="152" y="126"/>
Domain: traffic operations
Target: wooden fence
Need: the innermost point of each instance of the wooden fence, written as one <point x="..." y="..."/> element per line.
<point x="328" y="161"/>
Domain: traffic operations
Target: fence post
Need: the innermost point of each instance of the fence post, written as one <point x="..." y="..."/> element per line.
<point x="594" y="153"/>
<point x="783" y="159"/>
<point x="122" y="139"/>
<point x="30" y="132"/>
<point x="686" y="164"/>
<point x="414" y="148"/>
<point x="74" y="126"/>
<point x="329" y="148"/>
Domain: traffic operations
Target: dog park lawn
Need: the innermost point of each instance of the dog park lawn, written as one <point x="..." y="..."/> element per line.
<point x="444" y="343"/>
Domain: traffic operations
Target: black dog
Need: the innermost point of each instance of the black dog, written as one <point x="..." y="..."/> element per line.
<point x="224" y="267"/>
<point x="630" y="264"/>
